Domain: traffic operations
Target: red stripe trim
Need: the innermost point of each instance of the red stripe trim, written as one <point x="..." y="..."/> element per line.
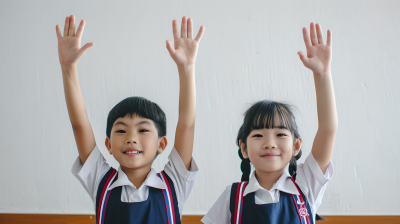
<point x="237" y="202"/>
<point x="241" y="204"/>
<point x="105" y="206"/>
<point x="102" y="194"/>
<point x="170" y="193"/>
<point x="301" y="199"/>
<point x="166" y="206"/>
<point x="295" y="204"/>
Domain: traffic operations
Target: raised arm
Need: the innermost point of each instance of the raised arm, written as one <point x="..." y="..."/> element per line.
<point x="69" y="52"/>
<point x="318" y="59"/>
<point x="184" y="54"/>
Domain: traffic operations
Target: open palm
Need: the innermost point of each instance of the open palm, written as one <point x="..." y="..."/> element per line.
<point x="318" y="58"/>
<point x="185" y="47"/>
<point x="69" y="50"/>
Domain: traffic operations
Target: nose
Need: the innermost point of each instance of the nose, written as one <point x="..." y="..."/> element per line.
<point x="269" y="144"/>
<point x="131" y="139"/>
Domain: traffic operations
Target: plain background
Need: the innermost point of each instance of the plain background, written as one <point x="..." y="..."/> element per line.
<point x="248" y="53"/>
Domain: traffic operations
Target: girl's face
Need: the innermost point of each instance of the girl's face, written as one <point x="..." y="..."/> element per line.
<point x="270" y="150"/>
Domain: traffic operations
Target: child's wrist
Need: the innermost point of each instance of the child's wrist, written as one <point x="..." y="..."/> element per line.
<point x="68" y="68"/>
<point x="186" y="69"/>
<point x="323" y="73"/>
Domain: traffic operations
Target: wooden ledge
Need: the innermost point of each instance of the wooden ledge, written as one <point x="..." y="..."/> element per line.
<point x="186" y="219"/>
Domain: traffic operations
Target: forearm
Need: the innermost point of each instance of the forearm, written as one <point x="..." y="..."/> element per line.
<point x="73" y="96"/>
<point x="187" y="96"/>
<point x="184" y="135"/>
<point x="327" y="120"/>
<point x="326" y="105"/>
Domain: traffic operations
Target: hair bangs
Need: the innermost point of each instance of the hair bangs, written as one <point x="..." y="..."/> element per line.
<point x="269" y="115"/>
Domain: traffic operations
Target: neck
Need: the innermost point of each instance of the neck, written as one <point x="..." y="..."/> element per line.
<point x="137" y="176"/>
<point x="267" y="179"/>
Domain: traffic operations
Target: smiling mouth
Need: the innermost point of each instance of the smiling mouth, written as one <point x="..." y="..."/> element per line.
<point x="268" y="155"/>
<point x="132" y="153"/>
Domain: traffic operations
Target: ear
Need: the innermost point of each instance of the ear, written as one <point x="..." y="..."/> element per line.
<point x="162" y="145"/>
<point x="243" y="149"/>
<point x="108" y="145"/>
<point x="297" y="147"/>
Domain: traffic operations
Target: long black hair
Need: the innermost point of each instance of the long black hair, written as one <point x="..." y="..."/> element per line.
<point x="262" y="115"/>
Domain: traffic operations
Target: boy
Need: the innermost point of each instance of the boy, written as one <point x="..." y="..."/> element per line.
<point x="136" y="133"/>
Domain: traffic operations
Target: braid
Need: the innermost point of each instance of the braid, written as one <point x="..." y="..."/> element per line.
<point x="244" y="166"/>
<point x="293" y="163"/>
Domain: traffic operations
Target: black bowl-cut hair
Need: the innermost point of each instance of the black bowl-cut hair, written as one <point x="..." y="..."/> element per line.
<point x="141" y="107"/>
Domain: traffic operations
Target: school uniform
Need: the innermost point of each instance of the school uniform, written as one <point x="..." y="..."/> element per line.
<point x="159" y="199"/>
<point x="290" y="200"/>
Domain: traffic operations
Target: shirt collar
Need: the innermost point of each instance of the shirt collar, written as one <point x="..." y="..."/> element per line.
<point x="284" y="184"/>
<point x="152" y="180"/>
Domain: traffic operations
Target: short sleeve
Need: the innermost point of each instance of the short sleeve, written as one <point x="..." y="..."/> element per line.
<point x="219" y="213"/>
<point x="312" y="181"/>
<point x="91" y="173"/>
<point x="182" y="178"/>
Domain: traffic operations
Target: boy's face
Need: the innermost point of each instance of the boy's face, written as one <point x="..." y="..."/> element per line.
<point x="270" y="150"/>
<point x="134" y="142"/>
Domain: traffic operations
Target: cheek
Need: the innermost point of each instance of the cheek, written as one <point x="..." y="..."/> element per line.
<point x="287" y="149"/>
<point x="253" y="149"/>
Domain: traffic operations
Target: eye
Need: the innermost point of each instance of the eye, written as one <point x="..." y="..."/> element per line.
<point x="120" y="131"/>
<point x="257" y="136"/>
<point x="143" y="130"/>
<point x="281" y="135"/>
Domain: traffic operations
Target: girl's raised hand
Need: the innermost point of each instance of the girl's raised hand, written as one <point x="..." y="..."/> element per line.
<point x="69" y="50"/>
<point x="318" y="58"/>
<point x="185" y="47"/>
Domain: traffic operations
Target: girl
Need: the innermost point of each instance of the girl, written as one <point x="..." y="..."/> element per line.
<point x="280" y="191"/>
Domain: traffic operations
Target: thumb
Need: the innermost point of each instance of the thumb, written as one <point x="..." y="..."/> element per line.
<point x="303" y="58"/>
<point x="170" y="48"/>
<point x="85" y="48"/>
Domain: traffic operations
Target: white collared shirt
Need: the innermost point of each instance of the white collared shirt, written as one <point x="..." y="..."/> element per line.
<point x="309" y="178"/>
<point x="95" y="167"/>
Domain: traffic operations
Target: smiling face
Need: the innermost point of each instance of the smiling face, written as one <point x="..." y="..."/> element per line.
<point x="270" y="149"/>
<point x="134" y="142"/>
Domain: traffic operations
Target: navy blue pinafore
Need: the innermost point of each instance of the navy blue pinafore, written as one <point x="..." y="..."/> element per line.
<point x="291" y="208"/>
<point x="161" y="205"/>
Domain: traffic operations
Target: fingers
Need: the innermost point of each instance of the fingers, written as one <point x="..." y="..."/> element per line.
<point x="190" y="28"/>
<point x="184" y="28"/>
<point x="80" y="29"/>
<point x="58" y="32"/>
<point x="170" y="49"/>
<point x="66" y="26"/>
<point x="306" y="38"/>
<point x="312" y="34"/>
<point x="85" y="48"/>
<point x="199" y="34"/>
<point x="329" y="38"/>
<point x="71" y="31"/>
<point x="175" y="29"/>
<point x="319" y="34"/>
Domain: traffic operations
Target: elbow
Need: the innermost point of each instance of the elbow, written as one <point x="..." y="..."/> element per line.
<point x="330" y="130"/>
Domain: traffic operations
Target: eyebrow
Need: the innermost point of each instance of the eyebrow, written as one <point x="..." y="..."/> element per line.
<point x="120" y="122"/>
<point x="143" y="122"/>
<point x="140" y="123"/>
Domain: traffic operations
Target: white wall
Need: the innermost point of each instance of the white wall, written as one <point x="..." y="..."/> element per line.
<point x="248" y="53"/>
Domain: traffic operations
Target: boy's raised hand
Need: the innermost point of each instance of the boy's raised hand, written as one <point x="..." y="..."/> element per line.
<point x="318" y="58"/>
<point x="185" y="47"/>
<point x="69" y="50"/>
